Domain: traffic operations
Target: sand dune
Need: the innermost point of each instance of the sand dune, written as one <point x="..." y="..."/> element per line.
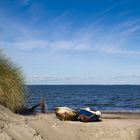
<point x="114" y="126"/>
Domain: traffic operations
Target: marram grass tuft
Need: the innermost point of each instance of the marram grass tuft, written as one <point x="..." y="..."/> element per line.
<point x="12" y="93"/>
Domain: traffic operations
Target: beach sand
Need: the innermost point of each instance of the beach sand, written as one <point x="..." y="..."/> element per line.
<point x="114" y="126"/>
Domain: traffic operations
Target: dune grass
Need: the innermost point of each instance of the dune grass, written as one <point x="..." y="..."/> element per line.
<point x="12" y="93"/>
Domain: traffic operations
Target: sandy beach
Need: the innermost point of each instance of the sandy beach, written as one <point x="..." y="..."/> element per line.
<point x="114" y="126"/>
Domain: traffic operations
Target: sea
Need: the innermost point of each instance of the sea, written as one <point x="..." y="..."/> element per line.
<point x="97" y="97"/>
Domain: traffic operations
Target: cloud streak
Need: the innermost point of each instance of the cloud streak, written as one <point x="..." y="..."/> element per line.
<point x="24" y="2"/>
<point x="30" y="45"/>
<point x="92" y="38"/>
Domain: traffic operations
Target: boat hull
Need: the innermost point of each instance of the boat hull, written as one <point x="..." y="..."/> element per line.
<point x="66" y="114"/>
<point x="88" y="116"/>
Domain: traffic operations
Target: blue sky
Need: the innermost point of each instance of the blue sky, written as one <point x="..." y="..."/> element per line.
<point x="73" y="41"/>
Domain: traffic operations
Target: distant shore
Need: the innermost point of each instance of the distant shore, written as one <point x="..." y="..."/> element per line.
<point x="114" y="126"/>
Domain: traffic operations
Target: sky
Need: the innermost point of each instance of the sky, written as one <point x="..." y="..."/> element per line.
<point x="73" y="41"/>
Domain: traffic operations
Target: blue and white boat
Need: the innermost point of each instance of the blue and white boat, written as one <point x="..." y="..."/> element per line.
<point x="87" y="115"/>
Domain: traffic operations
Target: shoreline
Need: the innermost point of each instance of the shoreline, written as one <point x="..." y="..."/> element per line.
<point x="112" y="112"/>
<point x="114" y="115"/>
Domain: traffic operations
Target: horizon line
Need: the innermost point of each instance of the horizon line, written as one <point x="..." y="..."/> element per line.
<point x="82" y="84"/>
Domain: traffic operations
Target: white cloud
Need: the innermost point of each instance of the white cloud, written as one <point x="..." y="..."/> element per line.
<point x="133" y="76"/>
<point x="114" y="79"/>
<point x="47" y="78"/>
<point x="59" y="18"/>
<point x="31" y="44"/>
<point x="27" y="45"/>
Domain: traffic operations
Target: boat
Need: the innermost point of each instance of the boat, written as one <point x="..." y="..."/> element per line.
<point x="66" y="113"/>
<point x="87" y="115"/>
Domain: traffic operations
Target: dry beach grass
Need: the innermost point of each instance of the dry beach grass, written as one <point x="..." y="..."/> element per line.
<point x="11" y="85"/>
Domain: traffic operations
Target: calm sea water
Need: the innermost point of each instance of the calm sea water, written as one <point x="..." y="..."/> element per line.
<point x="100" y="97"/>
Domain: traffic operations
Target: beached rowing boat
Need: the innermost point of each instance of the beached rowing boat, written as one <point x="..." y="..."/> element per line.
<point x="65" y="113"/>
<point x="87" y="115"/>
